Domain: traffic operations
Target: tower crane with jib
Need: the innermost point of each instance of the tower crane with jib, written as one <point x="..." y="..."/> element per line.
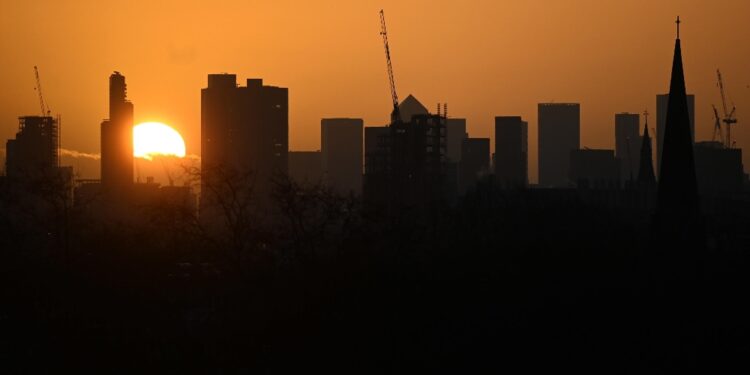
<point x="45" y="109"/>
<point x="729" y="118"/>
<point x="395" y="115"/>
<point x="717" y="126"/>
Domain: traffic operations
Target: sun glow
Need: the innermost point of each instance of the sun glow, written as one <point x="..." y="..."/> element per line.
<point x="155" y="138"/>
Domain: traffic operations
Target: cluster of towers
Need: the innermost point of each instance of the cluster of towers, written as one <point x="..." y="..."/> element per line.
<point x="417" y="159"/>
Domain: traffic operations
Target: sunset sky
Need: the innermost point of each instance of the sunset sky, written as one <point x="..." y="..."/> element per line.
<point x="484" y="58"/>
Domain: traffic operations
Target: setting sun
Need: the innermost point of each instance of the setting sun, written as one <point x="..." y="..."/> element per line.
<point x="155" y="138"/>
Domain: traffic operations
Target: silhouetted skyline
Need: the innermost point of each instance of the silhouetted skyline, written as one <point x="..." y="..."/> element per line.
<point x="434" y="258"/>
<point x="557" y="59"/>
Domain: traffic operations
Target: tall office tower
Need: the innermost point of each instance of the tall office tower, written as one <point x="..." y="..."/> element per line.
<point x="677" y="206"/>
<point x="475" y="161"/>
<point x="341" y="143"/>
<point x="627" y="144"/>
<point x="117" y="138"/>
<point x="34" y="154"/>
<point x="559" y="134"/>
<point x="405" y="161"/>
<point x="415" y="162"/>
<point x="662" y="102"/>
<point x="455" y="133"/>
<point x="244" y="129"/>
<point x="411" y="107"/>
<point x="511" y="151"/>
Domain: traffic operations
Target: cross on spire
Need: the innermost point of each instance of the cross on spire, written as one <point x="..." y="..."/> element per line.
<point x="645" y="113"/>
<point x="678" y="27"/>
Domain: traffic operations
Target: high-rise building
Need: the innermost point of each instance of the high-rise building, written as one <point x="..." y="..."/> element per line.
<point x="627" y="144"/>
<point x="455" y="133"/>
<point x="511" y="151"/>
<point x="406" y="161"/>
<point x="411" y="107"/>
<point x="244" y="129"/>
<point x="559" y="134"/>
<point x="341" y="147"/>
<point x="475" y="161"/>
<point x="117" y="138"/>
<point x="662" y="102"/>
<point x="34" y="153"/>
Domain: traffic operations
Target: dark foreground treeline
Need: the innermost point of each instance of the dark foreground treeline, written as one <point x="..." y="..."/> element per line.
<point x="504" y="280"/>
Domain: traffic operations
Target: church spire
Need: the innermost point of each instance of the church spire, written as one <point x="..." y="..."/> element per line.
<point x="677" y="196"/>
<point x="646" y="174"/>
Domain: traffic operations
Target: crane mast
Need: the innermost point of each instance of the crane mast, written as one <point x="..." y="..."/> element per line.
<point x="395" y="115"/>
<point x="42" y="104"/>
<point x="717" y="126"/>
<point x="729" y="118"/>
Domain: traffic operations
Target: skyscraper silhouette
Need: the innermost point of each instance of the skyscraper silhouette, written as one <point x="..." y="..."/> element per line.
<point x="34" y="152"/>
<point x="245" y="129"/>
<point x="117" y="138"/>
<point x="410" y="107"/>
<point x="511" y="151"/>
<point x="455" y="133"/>
<point x="407" y="167"/>
<point x="559" y="134"/>
<point x="677" y="197"/>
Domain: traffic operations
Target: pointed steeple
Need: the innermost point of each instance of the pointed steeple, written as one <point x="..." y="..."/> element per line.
<point x="677" y="197"/>
<point x="646" y="174"/>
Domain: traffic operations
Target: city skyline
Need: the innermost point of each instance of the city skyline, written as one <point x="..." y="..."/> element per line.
<point x="423" y="241"/>
<point x="166" y="81"/>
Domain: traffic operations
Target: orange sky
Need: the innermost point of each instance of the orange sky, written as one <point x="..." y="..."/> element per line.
<point x="485" y="58"/>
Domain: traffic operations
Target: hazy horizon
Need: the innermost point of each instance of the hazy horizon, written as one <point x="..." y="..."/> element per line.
<point x="489" y="59"/>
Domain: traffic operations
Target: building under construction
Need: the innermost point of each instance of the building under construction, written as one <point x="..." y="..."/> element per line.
<point x="408" y="166"/>
<point x="35" y="152"/>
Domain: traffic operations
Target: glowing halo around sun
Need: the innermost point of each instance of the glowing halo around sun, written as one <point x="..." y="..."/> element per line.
<point x="154" y="138"/>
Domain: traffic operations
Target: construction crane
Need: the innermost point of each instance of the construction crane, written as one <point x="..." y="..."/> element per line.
<point x="717" y="126"/>
<point x="395" y="115"/>
<point x="729" y="118"/>
<point x="45" y="109"/>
